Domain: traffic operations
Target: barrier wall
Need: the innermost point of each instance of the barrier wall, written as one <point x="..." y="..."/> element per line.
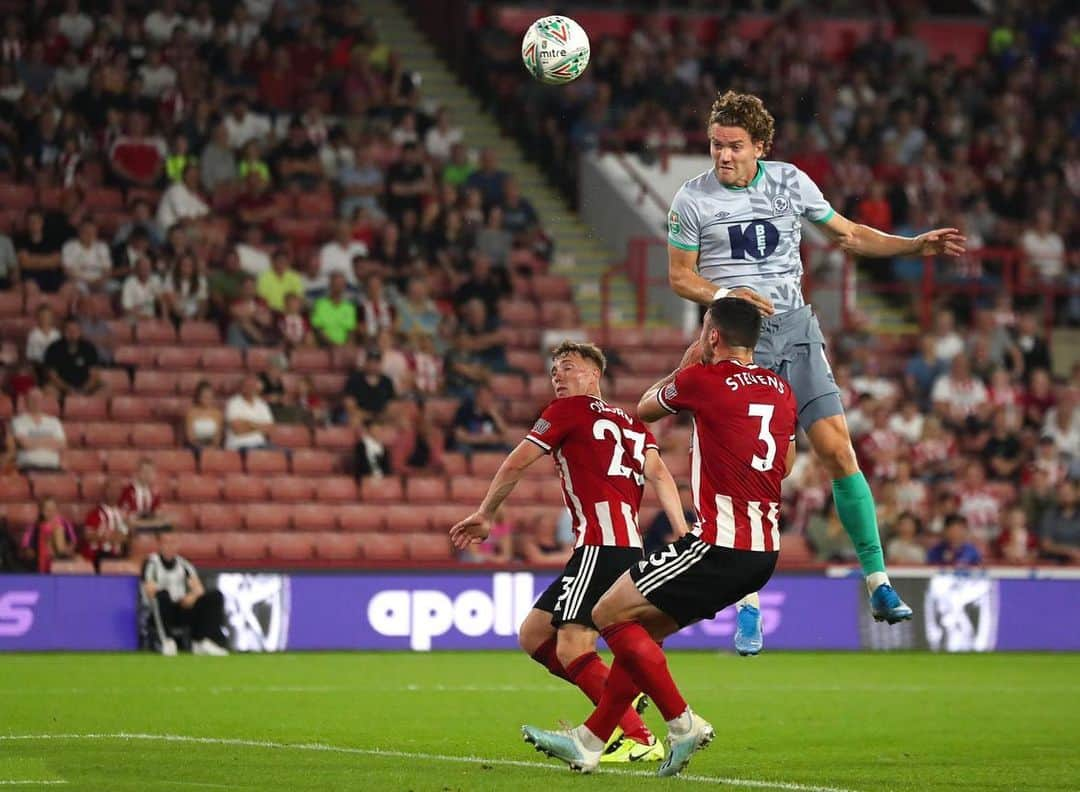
<point x="269" y="612"/>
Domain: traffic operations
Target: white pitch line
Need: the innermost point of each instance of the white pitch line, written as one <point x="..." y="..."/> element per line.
<point x="28" y="782"/>
<point x="789" y="786"/>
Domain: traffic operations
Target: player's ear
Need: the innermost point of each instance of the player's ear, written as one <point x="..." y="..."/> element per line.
<point x="759" y="149"/>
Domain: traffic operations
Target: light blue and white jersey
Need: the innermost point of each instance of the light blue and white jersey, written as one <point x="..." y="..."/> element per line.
<point x="749" y="236"/>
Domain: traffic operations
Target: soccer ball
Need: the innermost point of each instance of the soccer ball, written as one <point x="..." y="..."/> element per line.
<point x="555" y="50"/>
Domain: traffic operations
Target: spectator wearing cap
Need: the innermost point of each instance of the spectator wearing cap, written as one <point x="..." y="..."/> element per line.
<point x="368" y="392"/>
<point x="70" y="363"/>
<point x="281" y="280"/>
<point x="334" y="316"/>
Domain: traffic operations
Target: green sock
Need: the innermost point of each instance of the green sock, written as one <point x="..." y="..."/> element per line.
<point x="855" y="507"/>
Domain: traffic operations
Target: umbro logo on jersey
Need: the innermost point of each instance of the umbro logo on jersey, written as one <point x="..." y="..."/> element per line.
<point x="722" y="215"/>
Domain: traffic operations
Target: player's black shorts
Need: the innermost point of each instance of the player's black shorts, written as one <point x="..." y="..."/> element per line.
<point x="691" y="580"/>
<point x="590" y="572"/>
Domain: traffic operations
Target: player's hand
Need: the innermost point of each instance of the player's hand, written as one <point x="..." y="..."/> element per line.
<point x="763" y="304"/>
<point x="941" y="241"/>
<point x="692" y="354"/>
<point x="474" y="528"/>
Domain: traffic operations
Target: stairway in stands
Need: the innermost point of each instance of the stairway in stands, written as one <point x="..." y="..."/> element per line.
<point x="579" y="255"/>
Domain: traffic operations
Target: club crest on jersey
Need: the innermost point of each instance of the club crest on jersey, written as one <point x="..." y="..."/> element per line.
<point x="541" y="426"/>
<point x="674" y="227"/>
<point x="670" y="392"/>
<point x="780" y="204"/>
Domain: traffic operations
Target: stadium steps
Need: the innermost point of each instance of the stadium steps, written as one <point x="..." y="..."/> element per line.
<point x="579" y="255"/>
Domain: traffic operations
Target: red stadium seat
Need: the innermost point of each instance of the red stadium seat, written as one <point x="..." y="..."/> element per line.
<point x="243" y="547"/>
<point x="292" y="489"/>
<point x="85" y="408"/>
<point x="426" y="490"/>
<point x="468" y="490"/>
<point x="78" y="460"/>
<point x="131" y="408"/>
<point x="290" y="435"/>
<point x="556" y="314"/>
<point x="258" y="358"/>
<point x="486" y="463"/>
<point x="219" y="461"/>
<point x="315" y="205"/>
<point x="290" y="547"/>
<point x="104" y="198"/>
<point x="116" y="381"/>
<point x="155" y="331"/>
<point x="455" y="464"/>
<point x="549" y="490"/>
<point x="264" y="462"/>
<point x="310" y="360"/>
<point x="121" y="461"/>
<point x="313" y="462"/>
<point x="223" y="358"/>
<point x="218" y="517"/>
<point x="152" y="435"/>
<point x="178" y="358"/>
<point x="429" y="547"/>
<point x="508" y="386"/>
<point x="555" y="288"/>
<point x="335" y="546"/>
<point x="181" y="515"/>
<point x="383" y="490"/>
<point x="519" y="313"/>
<point x="92" y="486"/>
<point x="155" y="382"/>
<point x="526" y="491"/>
<point x="17" y="196"/>
<point x="441" y="411"/>
<point x="61" y="486"/>
<point x="336" y="489"/>
<point x="119" y="566"/>
<point x="200" y="333"/>
<point x="329" y="385"/>
<point x="71" y="566"/>
<point x="20" y="513"/>
<point x="122" y="330"/>
<point x="11" y="303"/>
<point x="382" y="547"/>
<point x="343" y="437"/>
<point x="104" y="435"/>
<point x="14" y="488"/>
<point x="360" y="517"/>
<point x="313" y="517"/>
<point x="198" y="546"/>
<point x="528" y="360"/>
<point x="443" y="516"/>
<point x="239" y="487"/>
<point x="266" y="517"/>
<point x="7" y="409"/>
<point x="173" y="461"/>
<point x="402" y="518"/>
<point x="343" y="358"/>
<point x="196" y="489"/>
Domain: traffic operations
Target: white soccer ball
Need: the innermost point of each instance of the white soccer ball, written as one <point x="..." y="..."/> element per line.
<point x="555" y="50"/>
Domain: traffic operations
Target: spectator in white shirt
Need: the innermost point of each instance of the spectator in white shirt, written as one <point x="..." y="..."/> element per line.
<point x="956" y="395"/>
<point x="337" y="255"/>
<point x="244" y="125"/>
<point x="183" y="200"/>
<point x="157" y="75"/>
<point x="247" y="417"/>
<point x="1043" y="247"/>
<point x="43" y="333"/>
<point x="441" y="137"/>
<point x="75" y="25"/>
<point x="948" y="342"/>
<point x="159" y="24"/>
<point x="141" y="292"/>
<point x="253" y="252"/>
<point x="39" y="438"/>
<point x="201" y="26"/>
<point x="86" y="259"/>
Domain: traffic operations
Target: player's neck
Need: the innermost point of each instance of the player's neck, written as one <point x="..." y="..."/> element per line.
<point x="740" y="355"/>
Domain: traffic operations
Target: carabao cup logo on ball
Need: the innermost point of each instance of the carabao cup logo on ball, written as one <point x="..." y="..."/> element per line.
<point x="555" y="50"/>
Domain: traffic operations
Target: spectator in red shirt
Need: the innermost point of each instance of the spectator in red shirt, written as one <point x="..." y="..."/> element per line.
<point x="874" y="210"/>
<point x="294" y="327"/>
<point x="140" y="500"/>
<point x="50" y="536"/>
<point x="106" y="535"/>
<point x="137" y="158"/>
<point x="278" y="84"/>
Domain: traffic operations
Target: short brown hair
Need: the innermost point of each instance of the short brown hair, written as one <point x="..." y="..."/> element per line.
<point x="590" y="352"/>
<point x="747" y="111"/>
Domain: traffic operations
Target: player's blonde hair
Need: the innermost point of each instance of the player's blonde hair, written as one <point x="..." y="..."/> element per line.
<point x="747" y="111"/>
<point x="590" y="352"/>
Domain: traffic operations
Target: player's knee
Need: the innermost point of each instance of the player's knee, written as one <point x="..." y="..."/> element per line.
<point x="602" y="614"/>
<point x="531" y="637"/>
<point x="571" y="646"/>
<point x="839" y="459"/>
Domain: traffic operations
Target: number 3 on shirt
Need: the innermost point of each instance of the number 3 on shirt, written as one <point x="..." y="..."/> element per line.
<point x="765" y="413"/>
<point x="616" y="468"/>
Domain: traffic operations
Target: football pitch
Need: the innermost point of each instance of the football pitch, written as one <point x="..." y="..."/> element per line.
<point x="450" y="721"/>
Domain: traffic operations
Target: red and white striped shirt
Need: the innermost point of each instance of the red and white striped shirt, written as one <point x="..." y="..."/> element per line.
<point x="599" y="453"/>
<point x="101" y="525"/>
<point x="744" y="420"/>
<point x="138" y="500"/>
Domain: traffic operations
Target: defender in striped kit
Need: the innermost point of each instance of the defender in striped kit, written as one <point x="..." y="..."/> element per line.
<point x="603" y="457"/>
<point x="742" y="447"/>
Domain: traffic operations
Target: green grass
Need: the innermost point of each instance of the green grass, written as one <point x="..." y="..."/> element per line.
<point x="323" y="722"/>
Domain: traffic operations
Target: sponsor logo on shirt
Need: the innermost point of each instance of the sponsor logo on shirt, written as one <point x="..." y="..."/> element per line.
<point x="674" y="227"/>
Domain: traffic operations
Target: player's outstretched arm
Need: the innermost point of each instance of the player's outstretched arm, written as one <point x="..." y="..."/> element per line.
<point x="658" y="475"/>
<point x="688" y="284"/>
<point x="477" y="526"/>
<point x="862" y="240"/>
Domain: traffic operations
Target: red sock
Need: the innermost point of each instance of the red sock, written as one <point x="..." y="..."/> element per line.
<point x="619" y="692"/>
<point x="590" y="674"/>
<point x="645" y="663"/>
<point x="546" y="656"/>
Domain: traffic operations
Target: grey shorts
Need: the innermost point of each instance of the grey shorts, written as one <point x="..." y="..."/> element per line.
<point x="793" y="346"/>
